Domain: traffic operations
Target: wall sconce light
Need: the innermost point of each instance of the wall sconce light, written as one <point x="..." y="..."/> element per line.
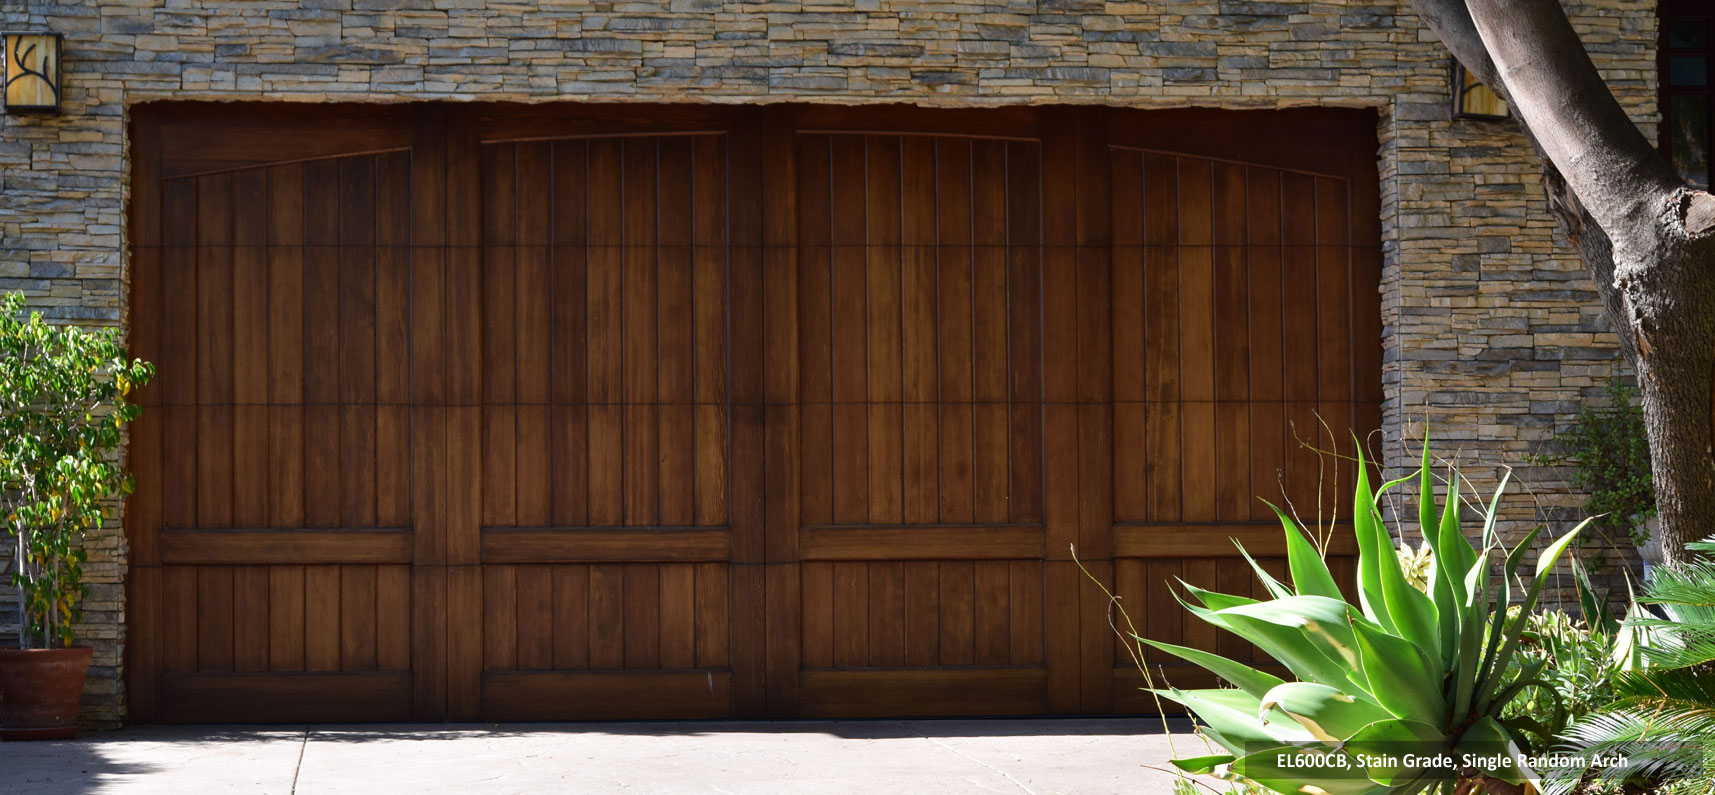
<point x="1472" y="99"/>
<point x="32" y="72"/>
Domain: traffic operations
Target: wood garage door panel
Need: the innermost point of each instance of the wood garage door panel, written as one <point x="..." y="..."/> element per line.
<point x="1232" y="339"/>
<point x="919" y="330"/>
<point x="612" y="616"/>
<point x="278" y="430"/>
<point x="605" y="421"/>
<point x="555" y="412"/>
<point x="922" y="613"/>
<point x="275" y="544"/>
<point x="604" y="295"/>
<point x="1238" y="299"/>
<point x="920" y="422"/>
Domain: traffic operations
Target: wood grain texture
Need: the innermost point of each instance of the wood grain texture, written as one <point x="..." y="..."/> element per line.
<point x="709" y="411"/>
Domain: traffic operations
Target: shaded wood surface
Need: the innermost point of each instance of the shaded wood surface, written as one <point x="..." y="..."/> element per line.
<point x="484" y="412"/>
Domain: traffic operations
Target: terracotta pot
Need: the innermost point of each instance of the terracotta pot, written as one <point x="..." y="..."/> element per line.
<point x="39" y="692"/>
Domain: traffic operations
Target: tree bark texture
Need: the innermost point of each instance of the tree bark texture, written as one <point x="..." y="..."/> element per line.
<point x="1647" y="238"/>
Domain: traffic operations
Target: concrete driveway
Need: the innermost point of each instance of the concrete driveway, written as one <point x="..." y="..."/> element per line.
<point x="1084" y="756"/>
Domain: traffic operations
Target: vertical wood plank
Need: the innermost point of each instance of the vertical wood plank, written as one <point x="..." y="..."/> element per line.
<point x="678" y="616"/>
<point x="958" y="612"/>
<point x="393" y="618"/>
<point x="1025" y="602"/>
<point x="214" y="619"/>
<point x="571" y="617"/>
<point x="535" y="617"/>
<point x="179" y="619"/>
<point x="817" y="604"/>
<point x="357" y="624"/>
<point x="250" y="623"/>
<point x="286" y="618"/>
<point x="993" y="613"/>
<point x="322" y="618"/>
<point x="642" y="616"/>
<point x="533" y="486"/>
<point x="922" y="613"/>
<point x="851" y="615"/>
<point x="887" y="616"/>
<point x="499" y="618"/>
<point x="713" y="599"/>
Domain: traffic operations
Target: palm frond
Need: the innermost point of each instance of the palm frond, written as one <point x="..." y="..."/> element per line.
<point x="1690" y="584"/>
<point x="1637" y="744"/>
<point x="1693" y="688"/>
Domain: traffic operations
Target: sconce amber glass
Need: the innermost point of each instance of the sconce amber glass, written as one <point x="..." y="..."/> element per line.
<point x="32" y="72"/>
<point x="1472" y="99"/>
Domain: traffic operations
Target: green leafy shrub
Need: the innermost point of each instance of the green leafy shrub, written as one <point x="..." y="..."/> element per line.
<point x="1385" y="686"/>
<point x="1576" y="663"/>
<point x="1608" y="449"/>
<point x="1657" y="731"/>
<point x="62" y="418"/>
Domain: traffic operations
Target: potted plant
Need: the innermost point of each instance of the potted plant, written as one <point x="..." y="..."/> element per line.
<point x="63" y="411"/>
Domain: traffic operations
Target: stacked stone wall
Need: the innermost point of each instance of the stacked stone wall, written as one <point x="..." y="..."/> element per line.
<point x="1492" y="330"/>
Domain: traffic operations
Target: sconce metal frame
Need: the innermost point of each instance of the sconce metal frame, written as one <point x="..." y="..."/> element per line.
<point x="23" y="63"/>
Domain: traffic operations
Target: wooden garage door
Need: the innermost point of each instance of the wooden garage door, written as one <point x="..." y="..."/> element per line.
<point x="279" y="536"/>
<point x="606" y="534"/>
<point x="641" y="411"/>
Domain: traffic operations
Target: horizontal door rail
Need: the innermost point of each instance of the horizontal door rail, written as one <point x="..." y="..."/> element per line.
<point x="859" y="693"/>
<point x="1193" y="540"/>
<point x="285" y="697"/>
<point x="605" y="544"/>
<point x="605" y="695"/>
<point x="285" y="546"/>
<point x="923" y="542"/>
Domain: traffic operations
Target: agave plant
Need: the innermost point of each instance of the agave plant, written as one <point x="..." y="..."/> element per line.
<point x="1658" y="731"/>
<point x="1402" y="692"/>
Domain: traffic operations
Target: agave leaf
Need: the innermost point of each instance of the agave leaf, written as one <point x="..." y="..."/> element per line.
<point x="1473" y="613"/>
<point x="1497" y="625"/>
<point x="1242" y="676"/>
<point x="1310" y="575"/>
<point x="1275" y="589"/>
<point x="1264" y="768"/>
<point x="1394" y="738"/>
<point x="1214" y="600"/>
<point x="1233" y="716"/>
<point x="1403" y="679"/>
<point x="1598" y="615"/>
<point x="1490" y="538"/>
<point x="1523" y="726"/>
<point x="1329" y="714"/>
<point x="1426" y="494"/>
<point x="1414" y="613"/>
<point x="1310" y="635"/>
<point x="1544" y="567"/>
<point x="1202" y="765"/>
<point x="1408" y="612"/>
<point x="1487" y="739"/>
<point x="1370" y="545"/>
<point x="1445" y="583"/>
<point x="1634" y="638"/>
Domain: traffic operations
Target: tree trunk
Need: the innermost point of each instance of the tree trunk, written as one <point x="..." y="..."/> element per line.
<point x="1676" y="366"/>
<point x="1647" y="239"/>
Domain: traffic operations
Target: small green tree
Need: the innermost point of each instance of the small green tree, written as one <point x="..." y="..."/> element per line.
<point x="1608" y="449"/>
<point x="62" y="417"/>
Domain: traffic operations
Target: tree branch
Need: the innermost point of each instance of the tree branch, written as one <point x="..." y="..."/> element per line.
<point x="1579" y="126"/>
<point x="1451" y="22"/>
